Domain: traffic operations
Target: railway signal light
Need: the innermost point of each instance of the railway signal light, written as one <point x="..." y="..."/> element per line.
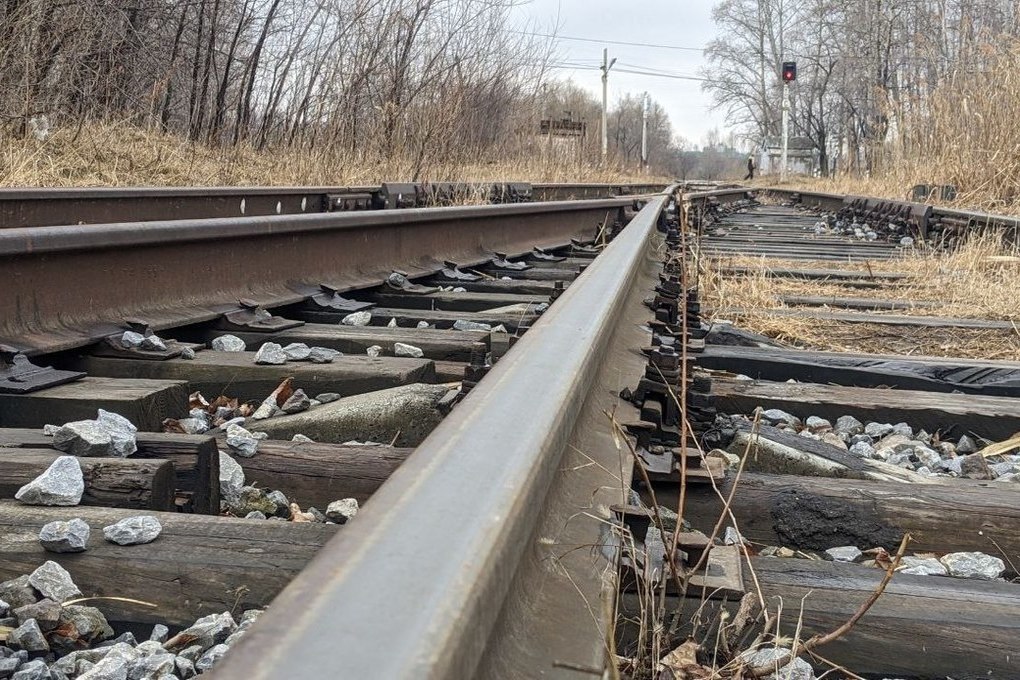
<point x="789" y="71"/>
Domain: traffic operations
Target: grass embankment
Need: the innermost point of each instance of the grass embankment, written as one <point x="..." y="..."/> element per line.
<point x="112" y="154"/>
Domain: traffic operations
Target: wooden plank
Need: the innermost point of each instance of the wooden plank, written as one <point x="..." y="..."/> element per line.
<point x="434" y="317"/>
<point x="884" y="319"/>
<point x="403" y="416"/>
<point x="816" y="513"/>
<point x="570" y="263"/>
<point x="314" y="474"/>
<point x="195" y="457"/>
<point x="951" y="414"/>
<point x="450" y="371"/>
<point x="832" y="274"/>
<point x="864" y="285"/>
<point x="109" y="482"/>
<point x="449" y="345"/>
<point x="542" y="289"/>
<point x="720" y="252"/>
<point x="843" y="254"/>
<point x="802" y="247"/>
<point x="236" y="374"/>
<point x="450" y="301"/>
<point x="197" y="461"/>
<point x="145" y="402"/>
<point x="845" y="463"/>
<point x="855" y="302"/>
<point x="561" y="274"/>
<point x="934" y="374"/>
<point x="199" y="565"/>
<point x="796" y="238"/>
<point x="922" y="626"/>
<point x="779" y="451"/>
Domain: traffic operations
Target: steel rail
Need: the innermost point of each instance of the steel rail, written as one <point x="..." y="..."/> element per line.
<point x="68" y="286"/>
<point x="58" y="206"/>
<point x="931" y="217"/>
<point x="562" y="191"/>
<point x="62" y="206"/>
<point x="816" y="199"/>
<point x="971" y="219"/>
<point x="419" y="585"/>
<point x="726" y="195"/>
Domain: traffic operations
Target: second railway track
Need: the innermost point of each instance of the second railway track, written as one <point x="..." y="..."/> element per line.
<point x="549" y="386"/>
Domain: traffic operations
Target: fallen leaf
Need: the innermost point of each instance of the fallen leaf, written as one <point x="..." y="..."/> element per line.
<point x="881" y="556"/>
<point x="179" y="642"/>
<point x="283" y="391"/>
<point x="172" y="425"/>
<point x="297" y="516"/>
<point x="682" y="664"/>
<point x="196" y="400"/>
<point x="687" y="653"/>
<point x="223" y="401"/>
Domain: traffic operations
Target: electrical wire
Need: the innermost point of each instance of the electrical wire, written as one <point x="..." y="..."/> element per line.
<point x="672" y="76"/>
<point x="612" y="42"/>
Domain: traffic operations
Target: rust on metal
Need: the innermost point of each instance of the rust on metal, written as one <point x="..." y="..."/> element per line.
<point x="439" y="584"/>
<point x="66" y="286"/>
<point x="55" y="207"/>
<point x="52" y="207"/>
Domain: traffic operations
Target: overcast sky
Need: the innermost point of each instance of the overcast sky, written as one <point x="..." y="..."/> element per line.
<point x="683" y="23"/>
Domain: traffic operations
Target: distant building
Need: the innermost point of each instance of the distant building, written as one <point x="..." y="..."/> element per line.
<point x="801" y="154"/>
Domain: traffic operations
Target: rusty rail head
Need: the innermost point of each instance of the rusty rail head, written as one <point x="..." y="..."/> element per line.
<point x="416" y="586"/>
<point x="56" y="206"/>
<point x="50" y="207"/>
<point x="562" y="192"/>
<point x="812" y="199"/>
<point x="719" y="196"/>
<point x="69" y="286"/>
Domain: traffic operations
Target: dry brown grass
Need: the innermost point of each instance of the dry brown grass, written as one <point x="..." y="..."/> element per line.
<point x="896" y="183"/>
<point x="112" y="154"/>
<point x="979" y="280"/>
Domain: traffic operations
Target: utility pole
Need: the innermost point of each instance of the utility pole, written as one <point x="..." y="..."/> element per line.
<point x="789" y="75"/>
<point x="606" y="65"/>
<point x="786" y="131"/>
<point x="644" y="134"/>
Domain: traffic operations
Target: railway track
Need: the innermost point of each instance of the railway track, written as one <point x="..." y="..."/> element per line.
<point x="298" y="277"/>
<point x="831" y="491"/>
<point x="54" y="207"/>
<point x="524" y="366"/>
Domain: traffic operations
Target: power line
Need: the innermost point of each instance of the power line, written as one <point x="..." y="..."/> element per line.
<point x="651" y="69"/>
<point x="674" y="76"/>
<point x="566" y="64"/>
<point x="612" y="42"/>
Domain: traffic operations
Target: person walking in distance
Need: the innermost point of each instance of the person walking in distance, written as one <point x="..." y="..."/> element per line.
<point x="750" y="168"/>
